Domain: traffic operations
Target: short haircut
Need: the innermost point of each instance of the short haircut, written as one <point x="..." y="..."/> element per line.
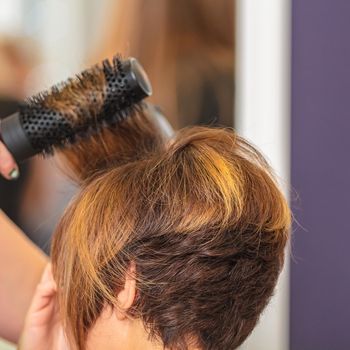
<point x="199" y="214"/>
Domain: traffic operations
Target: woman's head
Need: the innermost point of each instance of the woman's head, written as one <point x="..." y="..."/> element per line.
<point x="199" y="218"/>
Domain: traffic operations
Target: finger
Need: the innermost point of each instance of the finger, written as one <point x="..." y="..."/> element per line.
<point x="43" y="306"/>
<point x="43" y="296"/>
<point x="47" y="274"/>
<point x="44" y="292"/>
<point x="8" y="166"/>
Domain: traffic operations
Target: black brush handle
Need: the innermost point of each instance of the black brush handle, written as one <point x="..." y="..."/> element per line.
<point x="21" y="135"/>
<point x="15" y="139"/>
<point x="138" y="79"/>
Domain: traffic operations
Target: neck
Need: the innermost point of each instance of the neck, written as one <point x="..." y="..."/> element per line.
<point x="112" y="333"/>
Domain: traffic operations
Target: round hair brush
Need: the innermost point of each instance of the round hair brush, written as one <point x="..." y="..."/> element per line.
<point x="102" y="95"/>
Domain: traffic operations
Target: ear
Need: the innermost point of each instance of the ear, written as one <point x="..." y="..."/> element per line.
<point x="126" y="296"/>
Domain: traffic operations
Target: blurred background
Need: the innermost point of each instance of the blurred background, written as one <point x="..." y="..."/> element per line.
<point x="276" y="70"/>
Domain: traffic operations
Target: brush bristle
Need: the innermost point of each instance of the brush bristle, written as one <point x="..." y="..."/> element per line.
<point x="100" y="96"/>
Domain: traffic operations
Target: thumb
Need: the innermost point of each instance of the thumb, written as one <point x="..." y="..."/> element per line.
<point x="44" y="292"/>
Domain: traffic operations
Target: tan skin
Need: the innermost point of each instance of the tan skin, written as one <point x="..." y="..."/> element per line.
<point x="21" y="265"/>
<point x="28" y="297"/>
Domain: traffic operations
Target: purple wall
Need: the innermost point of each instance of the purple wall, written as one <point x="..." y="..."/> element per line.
<point x="320" y="275"/>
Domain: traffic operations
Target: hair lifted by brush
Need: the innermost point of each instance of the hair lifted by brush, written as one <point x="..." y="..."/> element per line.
<point x="102" y="95"/>
<point x="200" y="215"/>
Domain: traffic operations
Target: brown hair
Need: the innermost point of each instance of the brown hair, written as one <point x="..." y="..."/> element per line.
<point x="187" y="49"/>
<point x="201" y="217"/>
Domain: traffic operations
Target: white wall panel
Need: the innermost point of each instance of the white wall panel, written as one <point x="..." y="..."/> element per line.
<point x="263" y="117"/>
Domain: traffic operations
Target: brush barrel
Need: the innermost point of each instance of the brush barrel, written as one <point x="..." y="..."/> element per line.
<point x="15" y="139"/>
<point x="37" y="130"/>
